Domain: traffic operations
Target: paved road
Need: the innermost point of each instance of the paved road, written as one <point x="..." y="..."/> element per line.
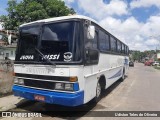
<point x="139" y="92"/>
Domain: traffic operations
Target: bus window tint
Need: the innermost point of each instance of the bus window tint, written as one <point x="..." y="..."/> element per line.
<point x="119" y="46"/>
<point x="107" y="42"/>
<point x="103" y="41"/>
<point x="123" y="50"/>
<point x="127" y="51"/>
<point x="113" y="44"/>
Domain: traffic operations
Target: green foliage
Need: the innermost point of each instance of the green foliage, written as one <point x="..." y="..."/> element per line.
<point x="157" y="67"/>
<point x="137" y="55"/>
<point x="32" y="10"/>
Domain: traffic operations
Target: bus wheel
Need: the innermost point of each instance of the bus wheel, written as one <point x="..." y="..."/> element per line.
<point x="98" y="93"/>
<point x="123" y="76"/>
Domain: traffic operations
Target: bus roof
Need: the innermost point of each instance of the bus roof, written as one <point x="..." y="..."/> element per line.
<point x="65" y="18"/>
<point x="60" y="18"/>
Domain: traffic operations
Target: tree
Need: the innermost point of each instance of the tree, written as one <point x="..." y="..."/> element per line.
<point x="32" y="10"/>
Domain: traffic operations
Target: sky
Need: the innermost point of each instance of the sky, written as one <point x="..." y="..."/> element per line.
<point x="135" y="22"/>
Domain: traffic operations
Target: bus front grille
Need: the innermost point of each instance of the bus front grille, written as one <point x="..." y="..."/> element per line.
<point x="39" y="84"/>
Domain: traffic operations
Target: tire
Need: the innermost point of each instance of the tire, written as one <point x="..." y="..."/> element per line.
<point x="123" y="76"/>
<point x="98" y="93"/>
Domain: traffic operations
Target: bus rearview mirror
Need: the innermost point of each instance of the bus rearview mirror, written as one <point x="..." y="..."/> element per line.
<point x="91" y="32"/>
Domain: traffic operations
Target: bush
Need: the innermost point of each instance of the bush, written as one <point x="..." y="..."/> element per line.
<point x="157" y="67"/>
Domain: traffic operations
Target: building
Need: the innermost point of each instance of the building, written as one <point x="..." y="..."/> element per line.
<point x="2" y="43"/>
<point x="8" y="51"/>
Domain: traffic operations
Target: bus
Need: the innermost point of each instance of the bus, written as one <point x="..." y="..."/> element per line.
<point x="67" y="60"/>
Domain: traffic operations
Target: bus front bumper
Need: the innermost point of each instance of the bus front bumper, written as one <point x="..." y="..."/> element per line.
<point x="60" y="98"/>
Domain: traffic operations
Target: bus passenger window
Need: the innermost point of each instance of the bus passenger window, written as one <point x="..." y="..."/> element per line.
<point x="123" y="50"/>
<point x="113" y="44"/>
<point x="103" y="41"/>
<point x="119" y="46"/>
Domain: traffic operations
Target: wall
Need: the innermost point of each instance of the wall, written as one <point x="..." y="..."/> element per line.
<point x="6" y="76"/>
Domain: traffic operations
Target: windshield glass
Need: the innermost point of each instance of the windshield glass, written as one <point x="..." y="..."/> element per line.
<point x="56" y="41"/>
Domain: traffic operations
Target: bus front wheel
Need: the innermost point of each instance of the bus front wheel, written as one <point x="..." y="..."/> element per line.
<point x="98" y="93"/>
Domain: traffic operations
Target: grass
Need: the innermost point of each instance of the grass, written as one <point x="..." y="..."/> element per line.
<point x="157" y="67"/>
<point x="1" y="108"/>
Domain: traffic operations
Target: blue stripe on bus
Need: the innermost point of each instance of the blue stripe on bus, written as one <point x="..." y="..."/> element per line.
<point x="119" y="73"/>
<point x="60" y="98"/>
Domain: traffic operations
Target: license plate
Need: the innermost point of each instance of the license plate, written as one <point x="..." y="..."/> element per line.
<point x="39" y="98"/>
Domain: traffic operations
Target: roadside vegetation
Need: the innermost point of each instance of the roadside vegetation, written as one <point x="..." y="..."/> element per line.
<point x="32" y="10"/>
<point x="157" y="67"/>
<point x="140" y="56"/>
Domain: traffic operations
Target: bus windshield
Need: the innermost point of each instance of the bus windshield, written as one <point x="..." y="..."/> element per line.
<point x="56" y="41"/>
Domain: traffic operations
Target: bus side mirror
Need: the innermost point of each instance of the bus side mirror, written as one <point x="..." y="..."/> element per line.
<point x="92" y="56"/>
<point x="91" y="32"/>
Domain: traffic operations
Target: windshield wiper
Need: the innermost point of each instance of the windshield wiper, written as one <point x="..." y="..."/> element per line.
<point x="42" y="55"/>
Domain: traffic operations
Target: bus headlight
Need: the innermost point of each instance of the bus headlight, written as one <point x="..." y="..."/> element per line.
<point x="64" y="86"/>
<point x="15" y="80"/>
<point x="21" y="81"/>
<point x="59" y="86"/>
<point x="68" y="86"/>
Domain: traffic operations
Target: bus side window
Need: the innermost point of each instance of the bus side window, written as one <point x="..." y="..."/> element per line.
<point x="123" y="50"/>
<point x="127" y="51"/>
<point x="103" y="41"/>
<point x="113" y="44"/>
<point x="119" y="46"/>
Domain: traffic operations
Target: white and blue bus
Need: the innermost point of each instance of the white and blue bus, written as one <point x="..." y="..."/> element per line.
<point x="67" y="60"/>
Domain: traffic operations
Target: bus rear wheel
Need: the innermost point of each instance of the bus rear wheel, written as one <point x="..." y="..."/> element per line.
<point x="123" y="76"/>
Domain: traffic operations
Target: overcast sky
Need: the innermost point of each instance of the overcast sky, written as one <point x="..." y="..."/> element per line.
<point x="132" y="21"/>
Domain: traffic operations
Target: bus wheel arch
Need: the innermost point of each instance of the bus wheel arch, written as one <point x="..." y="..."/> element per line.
<point x="99" y="88"/>
<point x="102" y="81"/>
